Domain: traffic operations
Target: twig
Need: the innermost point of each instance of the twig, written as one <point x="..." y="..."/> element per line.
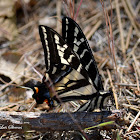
<point x="23" y="4"/>
<point x="126" y="85"/>
<point x="128" y="37"/>
<point x="26" y="60"/>
<point x="8" y="84"/>
<point x="120" y="26"/>
<point x="112" y="46"/>
<point x="71" y="9"/>
<point x="58" y="15"/>
<point x="113" y="89"/>
<point x="134" y="66"/>
<point x="134" y="107"/>
<point x="131" y="8"/>
<point x="136" y="62"/>
<point x="23" y="121"/>
<point x="133" y="122"/>
<point x="133" y="132"/>
<point x="110" y="36"/>
<point x="132" y="51"/>
<point x="66" y="7"/>
<point x="94" y="29"/>
<point x="131" y="18"/>
<point x="99" y="13"/>
<point x="32" y="106"/>
<point x="11" y="105"/>
<point x="78" y="9"/>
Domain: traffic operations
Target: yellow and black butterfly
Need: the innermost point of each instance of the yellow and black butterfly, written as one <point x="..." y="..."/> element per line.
<point x="71" y="67"/>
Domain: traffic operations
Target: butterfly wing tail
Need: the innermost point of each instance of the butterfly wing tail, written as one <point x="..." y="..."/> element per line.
<point x="101" y="102"/>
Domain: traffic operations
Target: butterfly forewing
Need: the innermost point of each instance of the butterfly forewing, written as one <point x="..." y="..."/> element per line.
<point x="73" y="35"/>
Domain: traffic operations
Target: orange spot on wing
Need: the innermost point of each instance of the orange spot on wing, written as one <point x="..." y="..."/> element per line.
<point x="46" y="101"/>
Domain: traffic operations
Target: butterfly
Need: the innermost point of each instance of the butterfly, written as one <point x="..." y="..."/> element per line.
<point x="71" y="70"/>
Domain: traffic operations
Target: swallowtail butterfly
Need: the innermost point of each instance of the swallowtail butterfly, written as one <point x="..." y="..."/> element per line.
<point x="71" y="67"/>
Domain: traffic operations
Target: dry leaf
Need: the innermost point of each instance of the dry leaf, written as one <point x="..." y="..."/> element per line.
<point x="8" y="27"/>
<point x="9" y="67"/>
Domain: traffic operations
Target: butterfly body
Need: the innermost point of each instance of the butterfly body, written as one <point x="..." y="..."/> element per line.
<point x="72" y="73"/>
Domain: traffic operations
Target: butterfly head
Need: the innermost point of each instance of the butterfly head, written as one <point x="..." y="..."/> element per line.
<point x="41" y="94"/>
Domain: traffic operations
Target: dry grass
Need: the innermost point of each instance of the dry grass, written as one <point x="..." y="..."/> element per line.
<point x="113" y="31"/>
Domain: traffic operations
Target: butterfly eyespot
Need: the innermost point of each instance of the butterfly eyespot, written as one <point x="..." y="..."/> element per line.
<point x="36" y="89"/>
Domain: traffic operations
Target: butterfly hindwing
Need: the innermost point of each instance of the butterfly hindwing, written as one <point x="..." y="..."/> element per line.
<point x="74" y="86"/>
